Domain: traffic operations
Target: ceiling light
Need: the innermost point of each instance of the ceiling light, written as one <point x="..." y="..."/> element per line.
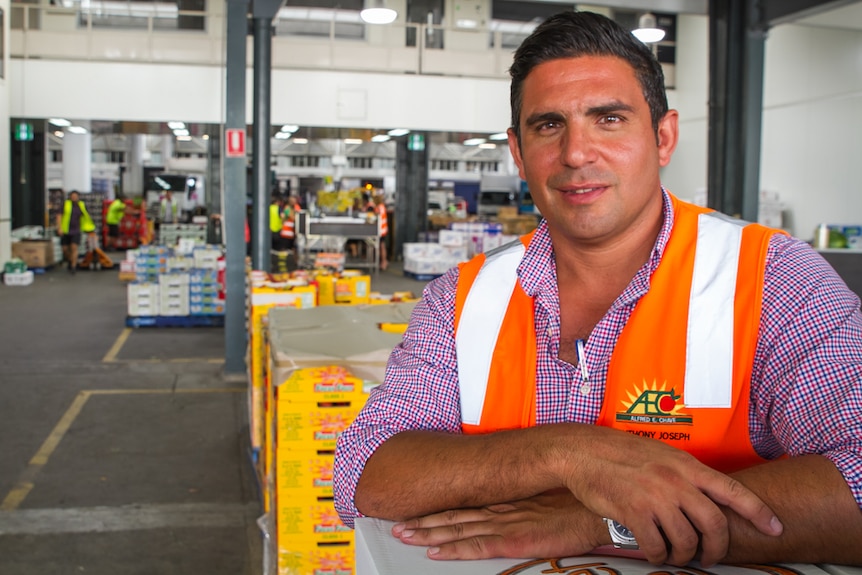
<point x="76" y="130"/>
<point x="184" y="138"/>
<point x="205" y="137"/>
<point x="377" y="13"/>
<point x="352" y="140"/>
<point x="60" y="122"/>
<point x="398" y="132"/>
<point x="59" y="133"/>
<point x="648" y="31"/>
<point x="290" y="128"/>
<point x="283" y="136"/>
<point x="176" y="125"/>
<point x="300" y="140"/>
<point x="488" y="146"/>
<point x="380" y="138"/>
<point x="180" y="132"/>
<point x="473" y="141"/>
<point x="499" y="136"/>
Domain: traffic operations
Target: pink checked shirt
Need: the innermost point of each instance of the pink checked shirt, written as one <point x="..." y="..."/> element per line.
<point x="806" y="389"/>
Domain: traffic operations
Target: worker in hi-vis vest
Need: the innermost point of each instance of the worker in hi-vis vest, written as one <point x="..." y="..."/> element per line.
<point x="71" y="223"/>
<point x="275" y="224"/>
<point x="169" y="209"/>
<point x="638" y="375"/>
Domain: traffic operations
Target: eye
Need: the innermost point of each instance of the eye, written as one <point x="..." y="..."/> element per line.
<point x="610" y="119"/>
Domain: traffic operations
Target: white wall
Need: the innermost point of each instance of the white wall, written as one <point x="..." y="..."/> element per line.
<point x="152" y="92"/>
<point x="812" y="121"/>
<point x="812" y="124"/>
<point x="5" y="193"/>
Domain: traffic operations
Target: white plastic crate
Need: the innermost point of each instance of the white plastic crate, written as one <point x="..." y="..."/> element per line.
<point x="18" y="279"/>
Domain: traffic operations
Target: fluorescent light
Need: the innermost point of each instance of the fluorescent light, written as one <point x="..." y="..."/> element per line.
<point x="398" y="132"/>
<point x="180" y="132"/>
<point x="300" y="140"/>
<point x="290" y="128"/>
<point x="380" y="138"/>
<point x="176" y="125"/>
<point x="76" y="130"/>
<point x="283" y="136"/>
<point x="473" y="141"/>
<point x="499" y="136"/>
<point x="352" y="140"/>
<point x="59" y="133"/>
<point x="184" y="138"/>
<point x="378" y="15"/>
<point x="205" y="137"/>
<point x="60" y="122"/>
<point x="648" y="31"/>
<point x="488" y="146"/>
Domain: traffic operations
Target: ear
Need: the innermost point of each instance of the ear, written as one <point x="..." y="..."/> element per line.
<point x="668" y="136"/>
<point x="515" y="149"/>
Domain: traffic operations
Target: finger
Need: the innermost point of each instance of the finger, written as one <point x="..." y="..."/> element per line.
<point x="441" y="534"/>
<point x="438" y="519"/>
<point x="682" y="538"/>
<point x="481" y="547"/>
<point x="730" y="492"/>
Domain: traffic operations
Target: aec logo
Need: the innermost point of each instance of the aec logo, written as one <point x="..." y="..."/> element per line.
<point x="654" y="405"/>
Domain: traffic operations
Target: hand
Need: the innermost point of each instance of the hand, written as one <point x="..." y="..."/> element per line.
<point x="552" y="524"/>
<point x="667" y="498"/>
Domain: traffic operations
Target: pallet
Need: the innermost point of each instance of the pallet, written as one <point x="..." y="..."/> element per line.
<point x="421" y="277"/>
<point x="175" y="321"/>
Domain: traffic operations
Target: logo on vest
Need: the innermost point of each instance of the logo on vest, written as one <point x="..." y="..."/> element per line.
<point x="654" y="405"/>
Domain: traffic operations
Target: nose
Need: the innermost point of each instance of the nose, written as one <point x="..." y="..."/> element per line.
<point x="577" y="147"/>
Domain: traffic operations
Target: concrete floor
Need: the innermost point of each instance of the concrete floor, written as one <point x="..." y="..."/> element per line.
<point x="122" y="451"/>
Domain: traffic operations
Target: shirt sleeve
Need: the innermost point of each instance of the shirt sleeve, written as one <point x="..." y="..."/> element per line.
<point x="419" y="391"/>
<point x="807" y="376"/>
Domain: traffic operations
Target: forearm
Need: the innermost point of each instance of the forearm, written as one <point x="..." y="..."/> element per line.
<point x="415" y="473"/>
<point x="822" y="521"/>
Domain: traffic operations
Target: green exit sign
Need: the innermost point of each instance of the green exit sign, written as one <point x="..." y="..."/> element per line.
<point x="416" y="142"/>
<point x="23" y="132"/>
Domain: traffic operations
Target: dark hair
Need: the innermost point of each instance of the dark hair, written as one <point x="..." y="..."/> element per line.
<point x="572" y="34"/>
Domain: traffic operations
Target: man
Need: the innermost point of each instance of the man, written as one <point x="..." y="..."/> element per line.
<point x="169" y="209"/>
<point x="117" y="210"/>
<point x="637" y="359"/>
<point x="276" y="208"/>
<point x="71" y="223"/>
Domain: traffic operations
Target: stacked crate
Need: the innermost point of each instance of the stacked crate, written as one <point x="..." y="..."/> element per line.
<point x="174" y="294"/>
<point x="321" y="364"/>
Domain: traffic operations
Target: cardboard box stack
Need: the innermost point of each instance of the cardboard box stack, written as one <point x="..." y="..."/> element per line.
<point x="180" y="284"/>
<point x="34" y="253"/>
<point x="322" y="362"/>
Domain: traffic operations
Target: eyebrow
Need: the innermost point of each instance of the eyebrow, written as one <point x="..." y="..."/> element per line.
<point x="605" y="109"/>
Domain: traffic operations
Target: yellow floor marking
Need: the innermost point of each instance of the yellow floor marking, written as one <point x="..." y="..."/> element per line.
<point x="118" y="345"/>
<point x="26" y="483"/>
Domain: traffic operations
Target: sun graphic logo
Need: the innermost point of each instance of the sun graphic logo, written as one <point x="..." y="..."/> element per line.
<point x="654" y="404"/>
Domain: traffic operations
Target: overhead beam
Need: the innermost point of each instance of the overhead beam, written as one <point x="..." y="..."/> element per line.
<point x="774" y="12"/>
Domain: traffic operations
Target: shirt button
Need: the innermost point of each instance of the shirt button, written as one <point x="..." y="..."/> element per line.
<point x="585" y="389"/>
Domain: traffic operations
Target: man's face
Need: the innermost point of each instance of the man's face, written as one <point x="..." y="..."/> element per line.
<point x="588" y="150"/>
<point x="74" y="196"/>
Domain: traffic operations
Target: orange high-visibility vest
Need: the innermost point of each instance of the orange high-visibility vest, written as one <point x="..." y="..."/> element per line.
<point x="288" y="229"/>
<point x="681" y="368"/>
<point x="384" y="219"/>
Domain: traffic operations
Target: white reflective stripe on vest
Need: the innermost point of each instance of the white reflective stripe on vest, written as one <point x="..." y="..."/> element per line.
<point x="709" y="341"/>
<point x="480" y="323"/>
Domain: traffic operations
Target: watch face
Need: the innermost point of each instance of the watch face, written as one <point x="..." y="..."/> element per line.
<point x="622" y="531"/>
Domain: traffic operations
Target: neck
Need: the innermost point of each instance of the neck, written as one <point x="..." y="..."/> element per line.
<point x="606" y="266"/>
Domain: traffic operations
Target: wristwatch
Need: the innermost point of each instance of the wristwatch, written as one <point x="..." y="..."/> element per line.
<point x="621" y="537"/>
